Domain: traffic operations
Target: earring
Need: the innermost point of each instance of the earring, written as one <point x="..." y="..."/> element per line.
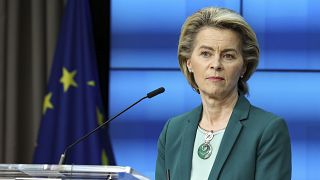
<point x="241" y="77"/>
<point x="190" y="70"/>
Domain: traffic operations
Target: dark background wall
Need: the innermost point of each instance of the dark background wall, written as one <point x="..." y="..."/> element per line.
<point x="144" y="38"/>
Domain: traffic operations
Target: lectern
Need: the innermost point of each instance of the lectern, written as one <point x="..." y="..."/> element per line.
<point x="64" y="172"/>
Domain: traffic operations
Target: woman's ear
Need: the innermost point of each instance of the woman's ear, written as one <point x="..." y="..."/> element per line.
<point x="189" y="65"/>
<point x="244" y="69"/>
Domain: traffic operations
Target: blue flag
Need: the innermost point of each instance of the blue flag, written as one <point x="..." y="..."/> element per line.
<point x="73" y="103"/>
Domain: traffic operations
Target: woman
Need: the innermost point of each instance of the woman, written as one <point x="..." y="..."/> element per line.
<point x="226" y="137"/>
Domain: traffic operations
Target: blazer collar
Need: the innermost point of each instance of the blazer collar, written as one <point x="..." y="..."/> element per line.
<point x="233" y="129"/>
<point x="188" y="137"/>
<point x="240" y="112"/>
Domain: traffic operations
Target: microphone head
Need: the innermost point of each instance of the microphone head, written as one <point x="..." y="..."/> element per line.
<point x="155" y="92"/>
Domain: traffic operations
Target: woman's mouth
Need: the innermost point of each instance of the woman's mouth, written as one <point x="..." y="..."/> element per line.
<point x="215" y="78"/>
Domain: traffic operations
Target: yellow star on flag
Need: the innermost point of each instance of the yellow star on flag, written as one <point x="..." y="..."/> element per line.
<point x="47" y="104"/>
<point x="67" y="79"/>
<point x="100" y="117"/>
<point x="104" y="158"/>
<point x="91" y="83"/>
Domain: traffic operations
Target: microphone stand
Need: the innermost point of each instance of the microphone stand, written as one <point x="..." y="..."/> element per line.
<point x="149" y="95"/>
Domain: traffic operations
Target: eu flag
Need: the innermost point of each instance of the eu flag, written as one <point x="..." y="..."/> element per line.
<point x="73" y="104"/>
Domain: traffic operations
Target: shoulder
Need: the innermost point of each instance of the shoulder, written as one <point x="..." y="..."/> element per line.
<point x="257" y="121"/>
<point x="178" y="122"/>
<point x="259" y="112"/>
<point x="263" y="117"/>
<point x="271" y="121"/>
<point x="175" y="125"/>
<point x="266" y="124"/>
<point x="265" y="130"/>
<point x="253" y="116"/>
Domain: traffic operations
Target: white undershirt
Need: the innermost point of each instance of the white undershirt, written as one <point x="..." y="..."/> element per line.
<point x="201" y="168"/>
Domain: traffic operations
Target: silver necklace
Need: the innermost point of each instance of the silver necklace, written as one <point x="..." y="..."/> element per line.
<point x="205" y="149"/>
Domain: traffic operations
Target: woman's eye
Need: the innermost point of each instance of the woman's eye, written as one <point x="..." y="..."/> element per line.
<point x="205" y="54"/>
<point x="228" y="56"/>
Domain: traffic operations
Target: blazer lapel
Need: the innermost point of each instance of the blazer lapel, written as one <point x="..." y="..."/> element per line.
<point x="232" y="131"/>
<point x="188" y="137"/>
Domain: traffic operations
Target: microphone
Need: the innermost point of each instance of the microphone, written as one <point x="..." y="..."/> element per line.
<point x="149" y="95"/>
<point x="155" y="92"/>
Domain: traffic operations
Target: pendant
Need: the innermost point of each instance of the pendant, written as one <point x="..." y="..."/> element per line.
<point x="204" y="150"/>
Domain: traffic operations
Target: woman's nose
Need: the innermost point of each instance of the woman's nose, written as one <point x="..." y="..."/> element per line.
<point x="216" y="63"/>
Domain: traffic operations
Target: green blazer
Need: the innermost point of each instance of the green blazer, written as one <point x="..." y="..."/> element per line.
<point x="255" y="145"/>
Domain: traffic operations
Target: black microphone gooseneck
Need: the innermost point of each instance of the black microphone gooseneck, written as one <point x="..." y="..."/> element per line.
<point x="149" y="95"/>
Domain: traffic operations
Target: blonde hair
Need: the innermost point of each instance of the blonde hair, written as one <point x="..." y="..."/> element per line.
<point x="225" y="19"/>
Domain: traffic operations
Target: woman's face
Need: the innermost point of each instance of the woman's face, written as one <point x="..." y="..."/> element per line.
<point x="216" y="62"/>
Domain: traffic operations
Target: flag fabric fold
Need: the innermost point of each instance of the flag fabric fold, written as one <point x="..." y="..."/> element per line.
<point x="73" y="103"/>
